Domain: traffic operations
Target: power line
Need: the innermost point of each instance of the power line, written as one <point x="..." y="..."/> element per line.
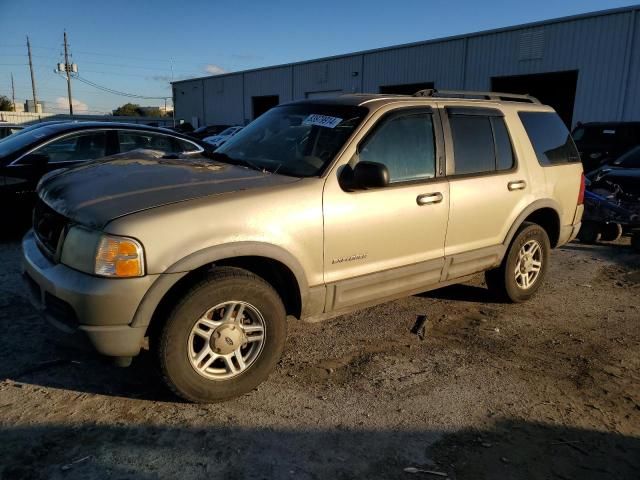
<point x="117" y="92"/>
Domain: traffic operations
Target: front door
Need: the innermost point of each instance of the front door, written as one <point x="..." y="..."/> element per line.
<point x="387" y="241"/>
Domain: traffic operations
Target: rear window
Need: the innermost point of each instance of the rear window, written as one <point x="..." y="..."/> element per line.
<point x="549" y="137"/>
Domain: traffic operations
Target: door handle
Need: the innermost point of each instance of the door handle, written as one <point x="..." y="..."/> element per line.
<point x="516" y="185"/>
<point x="429" y="198"/>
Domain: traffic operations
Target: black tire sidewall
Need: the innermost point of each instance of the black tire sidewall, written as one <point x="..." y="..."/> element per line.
<point x="178" y="372"/>
<point x="527" y="233"/>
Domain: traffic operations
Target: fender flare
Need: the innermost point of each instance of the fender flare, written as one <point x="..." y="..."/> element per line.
<point x="208" y="255"/>
<point x="536" y="205"/>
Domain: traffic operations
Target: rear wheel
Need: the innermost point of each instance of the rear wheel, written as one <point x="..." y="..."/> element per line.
<point x="524" y="266"/>
<point x="224" y="338"/>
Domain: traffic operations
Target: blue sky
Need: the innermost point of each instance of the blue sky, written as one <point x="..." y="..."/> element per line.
<point x="132" y="45"/>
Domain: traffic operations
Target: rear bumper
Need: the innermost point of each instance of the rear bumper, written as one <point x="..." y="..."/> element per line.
<point x="569" y="232"/>
<point x="72" y="301"/>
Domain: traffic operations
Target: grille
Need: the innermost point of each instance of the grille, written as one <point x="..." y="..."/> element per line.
<point x="48" y="226"/>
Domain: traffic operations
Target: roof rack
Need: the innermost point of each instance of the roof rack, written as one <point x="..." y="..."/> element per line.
<point x="509" y="97"/>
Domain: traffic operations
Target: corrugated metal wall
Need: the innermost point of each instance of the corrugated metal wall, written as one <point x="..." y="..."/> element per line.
<point x="630" y="107"/>
<point x="604" y="48"/>
<point x="327" y="76"/>
<point x="441" y="63"/>
<point x="272" y="81"/>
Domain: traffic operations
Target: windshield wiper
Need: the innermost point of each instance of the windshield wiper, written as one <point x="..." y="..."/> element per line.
<point x="224" y="158"/>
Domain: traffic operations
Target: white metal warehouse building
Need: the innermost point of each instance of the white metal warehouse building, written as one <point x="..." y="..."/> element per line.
<point x="586" y="66"/>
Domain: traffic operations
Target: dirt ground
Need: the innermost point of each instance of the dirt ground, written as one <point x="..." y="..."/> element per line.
<point x="544" y="390"/>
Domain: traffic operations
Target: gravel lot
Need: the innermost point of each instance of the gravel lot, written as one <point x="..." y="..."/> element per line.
<point x="545" y="390"/>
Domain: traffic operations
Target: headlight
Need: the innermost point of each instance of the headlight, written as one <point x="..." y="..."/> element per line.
<point x="101" y="254"/>
<point x="119" y="257"/>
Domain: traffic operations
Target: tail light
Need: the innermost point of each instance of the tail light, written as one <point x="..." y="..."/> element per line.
<point x="581" y="194"/>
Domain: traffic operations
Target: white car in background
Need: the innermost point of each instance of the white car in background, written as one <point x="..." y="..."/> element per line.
<point x="222" y="137"/>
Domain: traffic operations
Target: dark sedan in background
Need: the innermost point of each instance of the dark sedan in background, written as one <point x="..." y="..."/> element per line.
<point x="26" y="156"/>
<point x="7" y="129"/>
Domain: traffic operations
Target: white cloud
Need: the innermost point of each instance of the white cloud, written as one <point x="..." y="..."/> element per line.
<point x="214" y="69"/>
<point x="78" y="106"/>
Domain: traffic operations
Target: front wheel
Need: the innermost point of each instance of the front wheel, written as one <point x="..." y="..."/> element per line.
<point x="224" y="338"/>
<point x="520" y="275"/>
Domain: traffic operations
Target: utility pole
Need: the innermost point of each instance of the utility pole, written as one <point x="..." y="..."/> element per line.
<point x="66" y="62"/>
<point x="13" y="93"/>
<point x="33" y="78"/>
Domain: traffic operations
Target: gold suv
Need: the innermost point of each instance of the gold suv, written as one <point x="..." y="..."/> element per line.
<point x="314" y="209"/>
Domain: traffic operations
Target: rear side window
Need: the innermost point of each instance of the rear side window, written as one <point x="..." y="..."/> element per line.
<point x="131" y="140"/>
<point x="480" y="144"/>
<point x="549" y="137"/>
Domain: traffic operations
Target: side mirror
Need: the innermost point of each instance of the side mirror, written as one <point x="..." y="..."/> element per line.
<point x="36" y="159"/>
<point x="370" y="175"/>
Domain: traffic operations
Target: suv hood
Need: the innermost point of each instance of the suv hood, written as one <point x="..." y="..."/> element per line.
<point x="96" y="193"/>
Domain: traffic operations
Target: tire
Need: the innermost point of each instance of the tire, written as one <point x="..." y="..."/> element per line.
<point x="502" y="281"/>
<point x="610" y="232"/>
<point x="589" y="232"/>
<point x="229" y="307"/>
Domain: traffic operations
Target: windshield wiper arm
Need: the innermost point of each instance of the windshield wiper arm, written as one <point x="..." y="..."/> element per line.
<point x="223" y="157"/>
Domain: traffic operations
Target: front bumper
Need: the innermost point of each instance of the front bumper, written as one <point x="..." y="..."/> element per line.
<point x="101" y="308"/>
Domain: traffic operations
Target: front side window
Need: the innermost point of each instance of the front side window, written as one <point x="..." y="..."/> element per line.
<point x="405" y="145"/>
<point x="75" y="148"/>
<point x="549" y="137"/>
<point x="296" y="140"/>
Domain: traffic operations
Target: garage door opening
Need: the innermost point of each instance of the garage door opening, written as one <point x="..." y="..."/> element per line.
<point x="263" y="103"/>
<point x="557" y="89"/>
<point x="405" y="89"/>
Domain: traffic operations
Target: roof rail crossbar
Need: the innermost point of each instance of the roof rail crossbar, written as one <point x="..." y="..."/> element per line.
<point x="432" y="92"/>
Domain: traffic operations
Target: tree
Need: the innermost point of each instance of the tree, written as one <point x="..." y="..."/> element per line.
<point x="5" y="104"/>
<point x="128" y="110"/>
<point x="135" y="110"/>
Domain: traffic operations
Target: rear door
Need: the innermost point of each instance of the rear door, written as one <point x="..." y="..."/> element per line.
<point x="489" y="187"/>
<point x="387" y="241"/>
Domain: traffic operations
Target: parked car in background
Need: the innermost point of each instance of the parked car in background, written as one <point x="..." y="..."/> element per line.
<point x="603" y="142"/>
<point x="28" y="155"/>
<point x="612" y="205"/>
<point x="33" y="126"/>
<point x="184" y="127"/>
<point x="208" y="131"/>
<point x="7" y="129"/>
<point x="316" y="208"/>
<point x="221" y="139"/>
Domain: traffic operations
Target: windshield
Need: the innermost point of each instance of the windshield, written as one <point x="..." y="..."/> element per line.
<point x="24" y="138"/>
<point x="297" y="140"/>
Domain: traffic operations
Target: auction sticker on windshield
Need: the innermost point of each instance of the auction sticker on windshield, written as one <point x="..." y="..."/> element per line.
<point x="322" y="120"/>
